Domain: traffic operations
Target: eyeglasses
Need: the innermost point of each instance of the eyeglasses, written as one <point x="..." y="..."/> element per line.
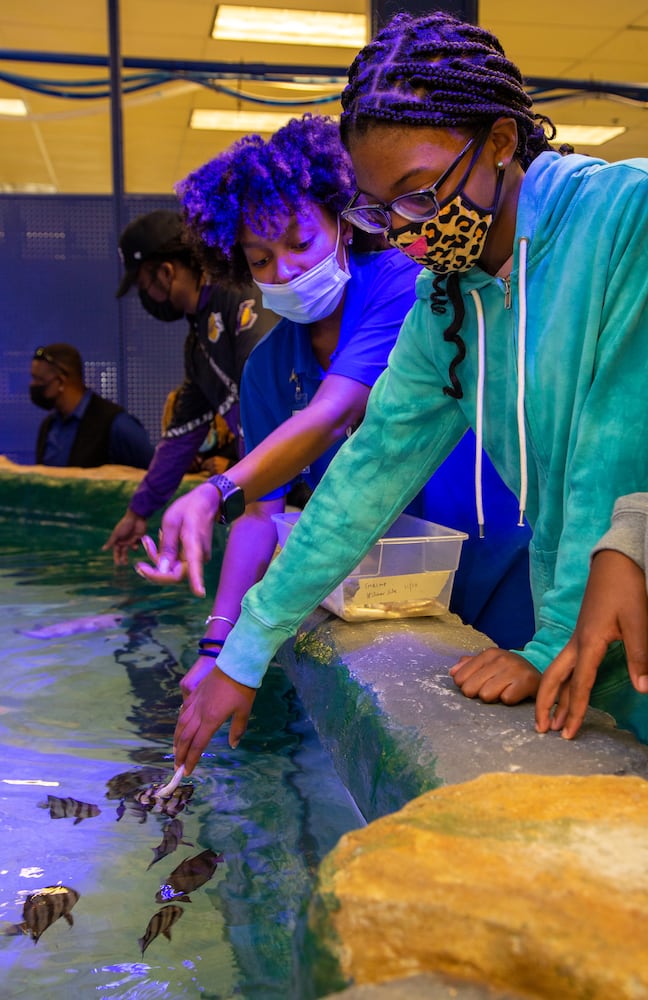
<point x="415" y="206"/>
<point x="40" y="354"/>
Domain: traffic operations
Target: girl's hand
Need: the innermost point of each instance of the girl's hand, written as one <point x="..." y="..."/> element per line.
<point x="211" y="703"/>
<point x="614" y="607"/>
<point x="496" y="675"/>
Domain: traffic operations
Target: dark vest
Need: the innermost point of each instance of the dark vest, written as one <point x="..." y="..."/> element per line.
<point x="92" y="444"/>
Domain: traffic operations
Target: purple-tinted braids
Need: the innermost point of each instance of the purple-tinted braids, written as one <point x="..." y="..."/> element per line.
<point x="438" y="71"/>
<point x="256" y="182"/>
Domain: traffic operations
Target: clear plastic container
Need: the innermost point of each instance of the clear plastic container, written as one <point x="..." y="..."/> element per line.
<point x="408" y="573"/>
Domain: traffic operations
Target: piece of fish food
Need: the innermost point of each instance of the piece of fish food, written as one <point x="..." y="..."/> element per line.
<point x="66" y="808"/>
<point x="43" y="908"/>
<point x="188" y="876"/>
<point x="160" y="923"/>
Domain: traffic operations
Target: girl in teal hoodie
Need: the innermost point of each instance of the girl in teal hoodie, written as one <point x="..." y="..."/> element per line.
<point x="531" y="326"/>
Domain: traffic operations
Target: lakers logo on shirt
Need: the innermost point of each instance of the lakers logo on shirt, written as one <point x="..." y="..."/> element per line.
<point x="215" y="327"/>
<point x="247" y="315"/>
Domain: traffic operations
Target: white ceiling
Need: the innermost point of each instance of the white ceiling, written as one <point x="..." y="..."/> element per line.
<point x="65" y="144"/>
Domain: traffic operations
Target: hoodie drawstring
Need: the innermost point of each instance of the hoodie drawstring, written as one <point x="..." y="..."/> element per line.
<point x="479" y="398"/>
<point x="479" y="420"/>
<point x="521" y="359"/>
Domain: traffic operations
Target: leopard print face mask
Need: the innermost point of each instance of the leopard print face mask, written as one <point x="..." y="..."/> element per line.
<point x="453" y="240"/>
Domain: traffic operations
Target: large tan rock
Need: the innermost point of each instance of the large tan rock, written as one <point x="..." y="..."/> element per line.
<point x="531" y="883"/>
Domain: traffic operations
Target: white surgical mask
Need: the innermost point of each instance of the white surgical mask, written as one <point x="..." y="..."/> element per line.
<point x="312" y="295"/>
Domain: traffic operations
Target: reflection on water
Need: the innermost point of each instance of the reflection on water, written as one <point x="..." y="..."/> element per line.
<point x="83" y="706"/>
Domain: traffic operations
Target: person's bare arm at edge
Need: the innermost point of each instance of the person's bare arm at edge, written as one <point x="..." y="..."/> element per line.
<point x="126" y="535"/>
<point x="212" y="702"/>
<point x="188" y="523"/>
<point x="615" y="607"/>
<point x="496" y="675"/>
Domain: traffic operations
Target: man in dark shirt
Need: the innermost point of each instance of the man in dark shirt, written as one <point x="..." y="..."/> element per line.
<point x="83" y="429"/>
<point x="224" y="326"/>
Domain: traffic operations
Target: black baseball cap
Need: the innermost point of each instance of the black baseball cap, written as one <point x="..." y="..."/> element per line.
<point x="150" y="235"/>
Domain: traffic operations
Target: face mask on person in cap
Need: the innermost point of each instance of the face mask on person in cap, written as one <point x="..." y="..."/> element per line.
<point x="165" y="311"/>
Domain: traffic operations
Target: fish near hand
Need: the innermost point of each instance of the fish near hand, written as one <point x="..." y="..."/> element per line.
<point x="126" y="784"/>
<point x="149" y="801"/>
<point x="171" y="840"/>
<point x="189" y="875"/>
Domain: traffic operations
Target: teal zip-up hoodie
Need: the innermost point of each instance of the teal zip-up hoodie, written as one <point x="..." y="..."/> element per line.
<point x="564" y="409"/>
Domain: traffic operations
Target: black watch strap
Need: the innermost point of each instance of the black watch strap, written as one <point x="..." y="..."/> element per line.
<point x="232" y="498"/>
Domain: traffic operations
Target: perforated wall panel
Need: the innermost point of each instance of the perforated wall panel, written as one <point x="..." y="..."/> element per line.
<point x="59" y="271"/>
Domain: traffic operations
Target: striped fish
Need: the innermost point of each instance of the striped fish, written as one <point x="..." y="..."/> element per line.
<point x="189" y="875"/>
<point x="171" y="839"/>
<point x="160" y="923"/>
<point x="169" y="806"/>
<point x="65" y="808"/>
<point x="126" y="784"/>
<point x="43" y="908"/>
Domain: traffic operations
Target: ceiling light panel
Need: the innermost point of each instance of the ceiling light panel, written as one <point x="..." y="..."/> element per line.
<point x="239" y="121"/>
<point x="13" y="107"/>
<point x="289" y="27"/>
<point x="586" y="135"/>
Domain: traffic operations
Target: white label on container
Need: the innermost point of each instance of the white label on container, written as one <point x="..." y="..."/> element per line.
<point x="392" y="589"/>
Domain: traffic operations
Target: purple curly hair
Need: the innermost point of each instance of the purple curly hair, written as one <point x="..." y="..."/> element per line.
<point x="255" y="182"/>
<point x="439" y="71"/>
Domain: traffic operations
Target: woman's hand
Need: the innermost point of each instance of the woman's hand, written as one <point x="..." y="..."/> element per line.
<point x="496" y="675"/>
<point x="210" y="702"/>
<point x="125" y="535"/>
<point x="614" y="607"/>
<point x="185" y="539"/>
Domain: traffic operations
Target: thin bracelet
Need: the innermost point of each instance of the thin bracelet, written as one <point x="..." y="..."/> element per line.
<point x="219" y="618"/>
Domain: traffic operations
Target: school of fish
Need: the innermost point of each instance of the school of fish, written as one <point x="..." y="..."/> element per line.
<point x="136" y="792"/>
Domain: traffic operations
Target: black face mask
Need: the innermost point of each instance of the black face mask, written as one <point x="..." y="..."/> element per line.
<point x="164" y="311"/>
<point x="38" y="397"/>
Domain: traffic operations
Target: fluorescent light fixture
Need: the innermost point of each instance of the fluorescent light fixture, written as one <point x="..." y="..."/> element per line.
<point x="29" y="187"/>
<point x="587" y="135"/>
<point x="290" y="27"/>
<point x="13" y="107"/>
<point x="239" y="121"/>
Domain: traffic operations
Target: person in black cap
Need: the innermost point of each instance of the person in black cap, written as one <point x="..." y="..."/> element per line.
<point x="82" y="429"/>
<point x="224" y="326"/>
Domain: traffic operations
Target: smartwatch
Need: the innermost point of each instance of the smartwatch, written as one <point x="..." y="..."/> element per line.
<point x="232" y="499"/>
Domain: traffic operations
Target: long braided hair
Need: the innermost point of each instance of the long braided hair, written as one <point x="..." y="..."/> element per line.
<point x="437" y="71"/>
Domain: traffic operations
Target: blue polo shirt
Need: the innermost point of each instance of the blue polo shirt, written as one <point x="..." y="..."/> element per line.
<point x="129" y="442"/>
<point x="282" y="373"/>
<point x="491" y="587"/>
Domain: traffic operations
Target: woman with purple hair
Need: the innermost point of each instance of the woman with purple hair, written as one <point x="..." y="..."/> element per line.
<point x="269" y="211"/>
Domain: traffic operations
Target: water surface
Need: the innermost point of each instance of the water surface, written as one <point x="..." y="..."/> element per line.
<point x="78" y="709"/>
